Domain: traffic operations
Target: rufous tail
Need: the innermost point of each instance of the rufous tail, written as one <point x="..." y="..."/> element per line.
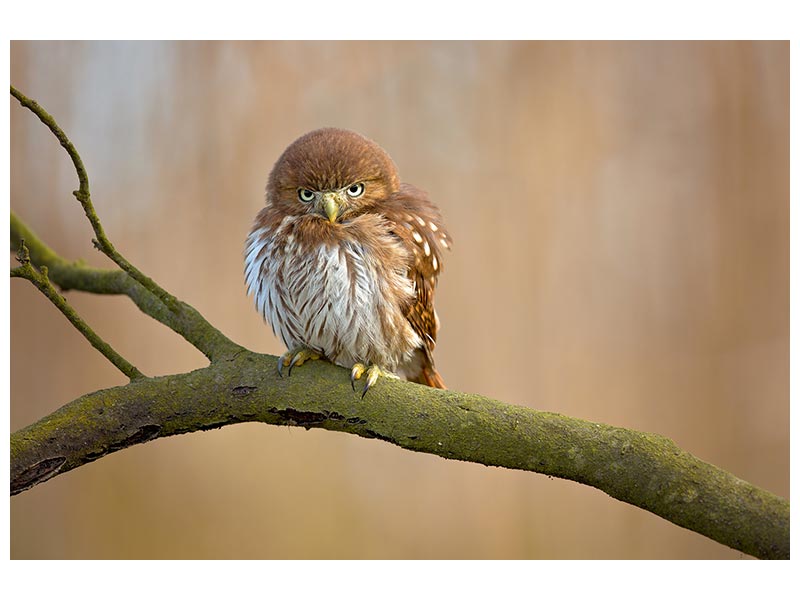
<point x="429" y="376"/>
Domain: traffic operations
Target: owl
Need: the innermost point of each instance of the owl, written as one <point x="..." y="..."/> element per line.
<point x="344" y="259"/>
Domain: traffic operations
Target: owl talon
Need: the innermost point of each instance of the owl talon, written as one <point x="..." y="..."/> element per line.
<point x="356" y="373"/>
<point x="373" y="373"/>
<point x="294" y="358"/>
<point x="372" y="376"/>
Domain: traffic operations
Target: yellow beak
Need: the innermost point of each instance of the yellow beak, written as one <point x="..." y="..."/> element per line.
<point x="331" y="204"/>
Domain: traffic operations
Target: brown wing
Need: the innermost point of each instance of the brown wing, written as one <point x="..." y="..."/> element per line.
<point x="418" y="223"/>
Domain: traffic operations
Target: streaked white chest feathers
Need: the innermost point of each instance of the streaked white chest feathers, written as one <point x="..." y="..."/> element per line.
<point x="336" y="298"/>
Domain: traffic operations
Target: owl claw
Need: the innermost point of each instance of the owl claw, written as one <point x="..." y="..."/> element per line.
<point x="373" y="373"/>
<point x="294" y="358"/>
<point x="356" y="373"/>
<point x="372" y="376"/>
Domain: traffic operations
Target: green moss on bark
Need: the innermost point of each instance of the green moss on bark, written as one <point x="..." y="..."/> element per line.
<point x="645" y="470"/>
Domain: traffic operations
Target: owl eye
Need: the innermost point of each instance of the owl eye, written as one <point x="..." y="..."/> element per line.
<point x="355" y="190"/>
<point x="305" y="195"/>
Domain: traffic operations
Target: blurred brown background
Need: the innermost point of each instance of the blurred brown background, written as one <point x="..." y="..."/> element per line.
<point x="620" y="212"/>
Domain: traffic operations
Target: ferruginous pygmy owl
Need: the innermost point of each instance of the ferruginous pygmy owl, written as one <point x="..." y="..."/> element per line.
<point x="343" y="260"/>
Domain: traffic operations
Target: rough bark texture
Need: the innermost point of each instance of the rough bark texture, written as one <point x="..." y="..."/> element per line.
<point x="643" y="469"/>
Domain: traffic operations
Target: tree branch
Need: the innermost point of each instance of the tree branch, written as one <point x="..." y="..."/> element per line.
<point x="40" y="279"/>
<point x="184" y="319"/>
<point x="646" y="470"/>
<point x="84" y="197"/>
<point x="189" y="323"/>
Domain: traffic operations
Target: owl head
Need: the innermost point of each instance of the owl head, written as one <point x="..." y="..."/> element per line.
<point x="331" y="173"/>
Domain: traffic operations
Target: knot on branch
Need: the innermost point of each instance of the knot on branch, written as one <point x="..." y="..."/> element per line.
<point x="82" y="196"/>
<point x="23" y="254"/>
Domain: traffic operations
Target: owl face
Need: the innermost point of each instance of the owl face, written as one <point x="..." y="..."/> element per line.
<point x="332" y="174"/>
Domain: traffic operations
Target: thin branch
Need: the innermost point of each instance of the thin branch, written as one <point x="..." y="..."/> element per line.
<point x="84" y="197"/>
<point x="40" y="279"/>
<point x="185" y="321"/>
<point x="642" y="469"/>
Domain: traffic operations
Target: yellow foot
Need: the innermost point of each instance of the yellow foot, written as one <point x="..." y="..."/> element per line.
<point x="373" y="373"/>
<point x="296" y="357"/>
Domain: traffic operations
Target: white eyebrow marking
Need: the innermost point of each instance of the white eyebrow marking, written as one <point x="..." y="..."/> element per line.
<point x="433" y="226"/>
<point x="417" y="236"/>
<point x="427" y="249"/>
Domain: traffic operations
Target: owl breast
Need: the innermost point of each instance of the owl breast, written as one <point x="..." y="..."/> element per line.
<point x="341" y="297"/>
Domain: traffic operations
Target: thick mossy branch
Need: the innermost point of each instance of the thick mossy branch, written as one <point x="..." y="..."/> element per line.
<point x="40" y="279"/>
<point x="184" y="320"/>
<point x="642" y="469"/>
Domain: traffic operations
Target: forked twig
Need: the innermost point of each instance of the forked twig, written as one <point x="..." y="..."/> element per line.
<point x="40" y="279"/>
